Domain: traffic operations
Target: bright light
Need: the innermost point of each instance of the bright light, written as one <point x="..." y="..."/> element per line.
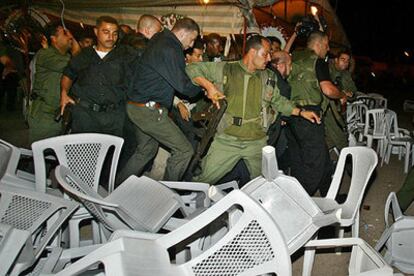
<point x="314" y="10"/>
<point x="206" y="1"/>
<point x="81" y="24"/>
<point x="406" y="54"/>
<point x="373" y="74"/>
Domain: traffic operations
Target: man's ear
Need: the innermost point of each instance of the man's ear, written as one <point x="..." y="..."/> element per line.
<point x="95" y="30"/>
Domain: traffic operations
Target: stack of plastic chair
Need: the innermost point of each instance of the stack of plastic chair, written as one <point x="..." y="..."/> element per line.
<point x="375" y="129"/>
<point x="297" y="215"/>
<point x="364" y="260"/>
<point x="10" y="156"/>
<point x="84" y="154"/>
<point x="369" y="101"/>
<point x="39" y="214"/>
<point x="380" y="101"/>
<point x="140" y="204"/>
<point x="398" y="238"/>
<point x="356" y="118"/>
<point x="399" y="140"/>
<point x="254" y="245"/>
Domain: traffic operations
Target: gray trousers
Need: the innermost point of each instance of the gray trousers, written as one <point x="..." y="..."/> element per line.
<point x="153" y="126"/>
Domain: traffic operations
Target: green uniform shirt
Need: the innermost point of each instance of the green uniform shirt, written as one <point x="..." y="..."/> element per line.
<point x="342" y="78"/>
<point x="303" y="80"/>
<point x="49" y="68"/>
<point x="245" y="95"/>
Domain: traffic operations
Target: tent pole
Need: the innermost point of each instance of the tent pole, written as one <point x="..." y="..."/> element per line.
<point x="244" y="34"/>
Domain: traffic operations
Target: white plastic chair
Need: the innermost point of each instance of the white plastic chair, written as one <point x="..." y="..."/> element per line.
<point x="10" y="156"/>
<point x="140" y="203"/>
<point x="398" y="140"/>
<point x="12" y="242"/>
<point x="398" y="238"/>
<point x="375" y="129"/>
<point x="40" y="214"/>
<point x="254" y="245"/>
<point x="364" y="161"/>
<point x="364" y="260"/>
<point x="284" y="198"/>
<point x="84" y="154"/>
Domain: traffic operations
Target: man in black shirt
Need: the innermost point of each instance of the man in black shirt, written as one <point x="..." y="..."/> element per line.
<point x="100" y="77"/>
<point x="310" y="80"/>
<point x="158" y="74"/>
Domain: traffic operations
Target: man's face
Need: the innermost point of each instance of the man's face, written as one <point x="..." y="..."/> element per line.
<point x="86" y="42"/>
<point x="214" y="48"/>
<point x="62" y="40"/>
<point x="262" y="56"/>
<point x="284" y="68"/>
<point x="275" y="47"/>
<point x="106" y="36"/>
<point x="188" y="39"/>
<point x="342" y="62"/>
<point x="196" y="56"/>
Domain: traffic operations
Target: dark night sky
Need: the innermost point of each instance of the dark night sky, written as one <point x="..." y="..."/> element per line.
<point x="379" y="29"/>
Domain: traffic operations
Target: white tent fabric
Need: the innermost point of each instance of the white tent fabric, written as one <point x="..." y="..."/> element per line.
<point x="223" y="19"/>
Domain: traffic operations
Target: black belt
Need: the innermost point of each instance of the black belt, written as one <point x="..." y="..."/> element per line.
<point x="100" y="107"/>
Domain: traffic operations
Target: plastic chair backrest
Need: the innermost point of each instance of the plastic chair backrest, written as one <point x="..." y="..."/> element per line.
<point x="28" y="210"/>
<point x="397" y="237"/>
<point x="368" y="101"/>
<point x="5" y="156"/>
<point x="375" y="121"/>
<point x="364" y="161"/>
<point x="84" y="154"/>
<point x="134" y="202"/>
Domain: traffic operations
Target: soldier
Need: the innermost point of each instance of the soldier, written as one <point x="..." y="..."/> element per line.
<point x="334" y="122"/>
<point x="50" y="63"/>
<point x="250" y="91"/>
<point x="310" y="81"/>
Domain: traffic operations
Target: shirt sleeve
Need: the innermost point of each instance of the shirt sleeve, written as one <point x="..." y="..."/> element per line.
<point x="213" y="71"/>
<point x="280" y="103"/>
<point x="72" y="69"/>
<point x="322" y="70"/>
<point x="52" y="61"/>
<point x="172" y="69"/>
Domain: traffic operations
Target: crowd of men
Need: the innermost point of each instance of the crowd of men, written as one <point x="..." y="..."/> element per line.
<point x="146" y="86"/>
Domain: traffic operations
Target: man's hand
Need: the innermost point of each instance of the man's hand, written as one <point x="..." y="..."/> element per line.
<point x="215" y="96"/>
<point x="310" y="116"/>
<point x="65" y="100"/>
<point x="184" y="112"/>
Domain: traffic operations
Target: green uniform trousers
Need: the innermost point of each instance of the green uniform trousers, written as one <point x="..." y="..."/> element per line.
<point x="334" y="135"/>
<point x="225" y="151"/>
<point x="153" y="126"/>
<point x="406" y="193"/>
<point x="42" y="122"/>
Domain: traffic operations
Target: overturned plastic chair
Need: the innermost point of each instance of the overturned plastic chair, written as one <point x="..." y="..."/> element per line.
<point x="139" y="204"/>
<point x="253" y="245"/>
<point x="10" y="156"/>
<point x="40" y="214"/>
<point x="84" y="154"/>
<point x="398" y="238"/>
<point x="364" y="260"/>
<point x="296" y="214"/>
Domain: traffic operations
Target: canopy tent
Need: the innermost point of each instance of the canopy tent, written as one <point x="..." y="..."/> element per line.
<point x="219" y="16"/>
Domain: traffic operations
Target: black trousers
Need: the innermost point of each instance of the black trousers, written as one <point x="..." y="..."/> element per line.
<point x="309" y="157"/>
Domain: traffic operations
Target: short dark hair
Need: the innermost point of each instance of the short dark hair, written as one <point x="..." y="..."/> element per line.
<point x="198" y="44"/>
<point x="52" y="29"/>
<point x="187" y="24"/>
<point x="255" y="42"/>
<point x="344" y="51"/>
<point x="316" y="36"/>
<point x="274" y="39"/>
<point x="106" y="19"/>
<point x="211" y="37"/>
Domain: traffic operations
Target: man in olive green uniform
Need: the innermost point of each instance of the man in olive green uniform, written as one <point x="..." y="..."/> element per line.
<point x="334" y="122"/>
<point x="250" y="90"/>
<point x="310" y="82"/>
<point x="50" y="63"/>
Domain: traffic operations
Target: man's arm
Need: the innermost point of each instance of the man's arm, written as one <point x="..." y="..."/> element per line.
<point x="211" y="90"/>
<point x="327" y="87"/>
<point x="65" y="85"/>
